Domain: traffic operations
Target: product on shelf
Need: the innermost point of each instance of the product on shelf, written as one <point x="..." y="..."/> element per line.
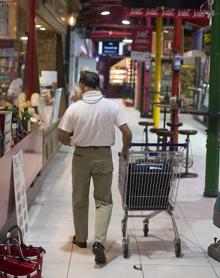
<point x="5" y="127"/>
<point x="26" y="120"/>
<point x="2" y="144"/>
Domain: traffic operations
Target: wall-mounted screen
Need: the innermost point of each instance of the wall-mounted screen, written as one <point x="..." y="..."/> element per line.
<point x="176" y="4"/>
<point x="110" y="48"/>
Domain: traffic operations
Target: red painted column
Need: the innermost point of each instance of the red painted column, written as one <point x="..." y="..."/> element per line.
<point x="146" y="101"/>
<point x="30" y="63"/>
<point x="176" y="77"/>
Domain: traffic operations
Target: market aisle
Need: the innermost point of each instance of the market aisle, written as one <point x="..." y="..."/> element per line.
<point x="52" y="227"/>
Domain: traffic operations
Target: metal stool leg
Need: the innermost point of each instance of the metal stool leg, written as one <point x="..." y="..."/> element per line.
<point x="186" y="174"/>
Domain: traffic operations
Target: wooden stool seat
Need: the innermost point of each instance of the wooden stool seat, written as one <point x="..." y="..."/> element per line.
<point x="188" y="132"/>
<point x="174" y="125"/>
<point x="155" y="130"/>
<point x="165" y="133"/>
<point x="146" y="123"/>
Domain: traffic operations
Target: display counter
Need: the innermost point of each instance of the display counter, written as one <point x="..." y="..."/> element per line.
<point x="32" y="146"/>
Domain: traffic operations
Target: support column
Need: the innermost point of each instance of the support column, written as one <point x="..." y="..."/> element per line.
<point x="213" y="138"/>
<point x="31" y="52"/>
<point x="156" y="109"/>
<point x="176" y="77"/>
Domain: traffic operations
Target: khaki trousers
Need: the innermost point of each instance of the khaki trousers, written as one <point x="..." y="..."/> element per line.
<point x="95" y="163"/>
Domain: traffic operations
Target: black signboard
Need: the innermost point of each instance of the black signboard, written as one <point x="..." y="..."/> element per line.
<point x="176" y="4"/>
<point x="110" y="47"/>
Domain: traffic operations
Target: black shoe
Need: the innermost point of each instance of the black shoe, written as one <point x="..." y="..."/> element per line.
<point x="79" y="243"/>
<point x="98" y="251"/>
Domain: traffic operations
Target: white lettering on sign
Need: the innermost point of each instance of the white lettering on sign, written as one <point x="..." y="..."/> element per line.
<point x="137" y="11"/>
<point x="168" y="12"/>
<point x="184" y="13"/>
<point x="152" y="12"/>
<point x="199" y="14"/>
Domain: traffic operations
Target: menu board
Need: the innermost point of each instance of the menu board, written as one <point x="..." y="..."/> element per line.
<point x="20" y="193"/>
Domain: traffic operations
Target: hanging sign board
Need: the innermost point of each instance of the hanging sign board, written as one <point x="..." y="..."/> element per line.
<point x="168" y="13"/>
<point x="140" y="56"/>
<point x="142" y="40"/>
<point x="20" y="193"/>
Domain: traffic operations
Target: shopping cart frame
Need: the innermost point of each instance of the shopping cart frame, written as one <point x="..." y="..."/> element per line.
<point x="174" y="153"/>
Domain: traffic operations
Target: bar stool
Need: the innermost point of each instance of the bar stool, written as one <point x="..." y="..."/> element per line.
<point x="188" y="161"/>
<point x="146" y="124"/>
<point x="163" y="136"/>
<point x="155" y="131"/>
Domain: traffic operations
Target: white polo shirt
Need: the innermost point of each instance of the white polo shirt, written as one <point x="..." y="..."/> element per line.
<point x="92" y="120"/>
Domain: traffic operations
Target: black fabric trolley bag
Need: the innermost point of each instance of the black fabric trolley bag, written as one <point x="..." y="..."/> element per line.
<point x="148" y="185"/>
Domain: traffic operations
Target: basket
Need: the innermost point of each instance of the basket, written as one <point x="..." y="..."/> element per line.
<point x="21" y="250"/>
<point x="14" y="268"/>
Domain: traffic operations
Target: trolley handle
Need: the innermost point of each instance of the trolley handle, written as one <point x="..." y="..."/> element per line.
<point x="181" y="145"/>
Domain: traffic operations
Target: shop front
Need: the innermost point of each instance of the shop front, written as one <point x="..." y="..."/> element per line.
<point x="30" y="104"/>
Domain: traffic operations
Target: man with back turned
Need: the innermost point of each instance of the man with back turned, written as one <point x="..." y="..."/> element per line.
<point x="89" y="125"/>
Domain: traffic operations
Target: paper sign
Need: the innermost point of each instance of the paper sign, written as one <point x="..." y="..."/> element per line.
<point x="20" y="193"/>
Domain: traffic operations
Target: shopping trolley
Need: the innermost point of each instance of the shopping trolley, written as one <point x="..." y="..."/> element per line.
<point x="148" y="181"/>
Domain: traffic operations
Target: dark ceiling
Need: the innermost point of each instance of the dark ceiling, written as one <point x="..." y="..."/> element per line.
<point x="96" y="26"/>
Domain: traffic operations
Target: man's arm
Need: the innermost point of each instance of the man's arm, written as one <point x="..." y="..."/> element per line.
<point x="126" y="138"/>
<point x="64" y="137"/>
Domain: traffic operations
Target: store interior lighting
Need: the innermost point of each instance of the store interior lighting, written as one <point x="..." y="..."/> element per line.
<point x="105" y="13"/>
<point x="38" y="26"/>
<point x="42" y="29"/>
<point x="125" y="21"/>
<point x="72" y="20"/>
<point x="127" y="41"/>
<point x="23" y="38"/>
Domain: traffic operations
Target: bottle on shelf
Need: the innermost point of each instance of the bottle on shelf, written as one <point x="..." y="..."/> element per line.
<point x="26" y="120"/>
<point x="2" y="143"/>
<point x="15" y="125"/>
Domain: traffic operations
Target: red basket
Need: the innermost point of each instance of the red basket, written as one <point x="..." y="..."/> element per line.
<point x="30" y="252"/>
<point x="10" y="267"/>
<point x="20" y="249"/>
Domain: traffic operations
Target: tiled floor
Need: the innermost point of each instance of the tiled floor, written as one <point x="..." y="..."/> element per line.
<point x="52" y="227"/>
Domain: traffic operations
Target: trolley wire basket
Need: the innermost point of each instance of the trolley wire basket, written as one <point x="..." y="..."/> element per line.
<point x="148" y="181"/>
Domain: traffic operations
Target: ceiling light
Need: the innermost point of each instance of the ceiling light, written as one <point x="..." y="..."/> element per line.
<point x="165" y="31"/>
<point x="38" y="26"/>
<point x="23" y="38"/>
<point x="125" y="21"/>
<point x="63" y="18"/>
<point x="42" y="29"/>
<point x="127" y="41"/>
<point x="72" y="20"/>
<point x="105" y="13"/>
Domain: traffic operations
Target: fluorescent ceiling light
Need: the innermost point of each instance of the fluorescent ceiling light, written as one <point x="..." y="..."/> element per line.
<point x="105" y="13"/>
<point x="127" y="41"/>
<point x="38" y="26"/>
<point x="42" y="29"/>
<point x="23" y="38"/>
<point x="125" y="21"/>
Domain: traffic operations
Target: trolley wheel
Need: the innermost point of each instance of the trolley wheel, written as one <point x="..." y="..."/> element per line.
<point x="177" y="245"/>
<point x="125" y="248"/>
<point x="190" y="162"/>
<point x="146" y="229"/>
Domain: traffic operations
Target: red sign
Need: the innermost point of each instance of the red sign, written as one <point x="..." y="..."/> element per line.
<point x="142" y="40"/>
<point x="168" y="13"/>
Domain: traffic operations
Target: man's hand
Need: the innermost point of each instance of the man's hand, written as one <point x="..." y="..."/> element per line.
<point x="126" y="137"/>
<point x="64" y="137"/>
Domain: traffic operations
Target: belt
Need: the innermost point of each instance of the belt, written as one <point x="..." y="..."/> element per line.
<point x="94" y="147"/>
